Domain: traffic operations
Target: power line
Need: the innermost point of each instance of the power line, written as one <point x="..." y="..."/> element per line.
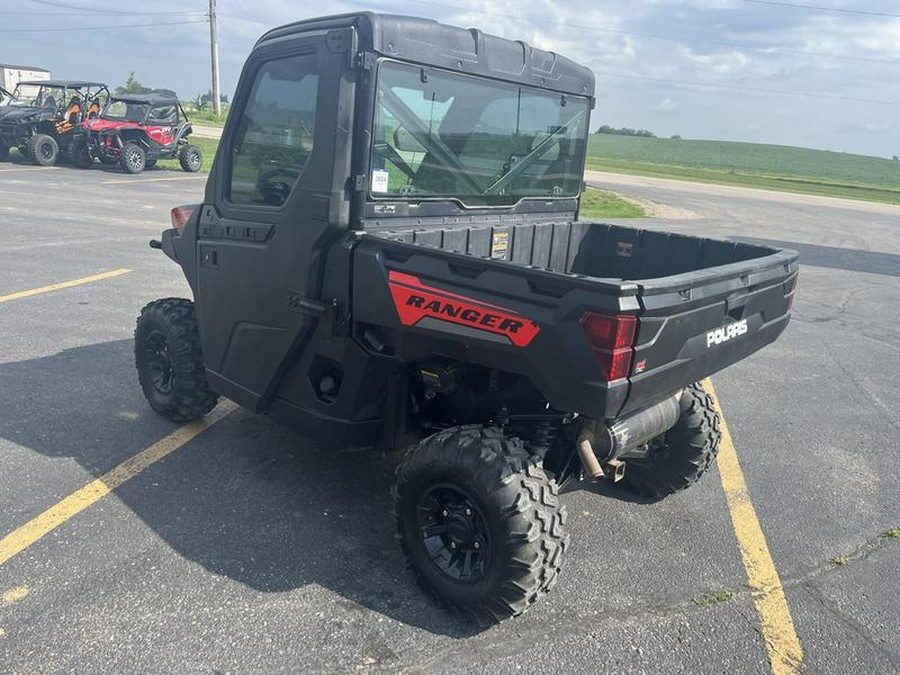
<point x="90" y="28"/>
<point x="80" y="8"/>
<point x="778" y="92"/>
<point x="839" y="10"/>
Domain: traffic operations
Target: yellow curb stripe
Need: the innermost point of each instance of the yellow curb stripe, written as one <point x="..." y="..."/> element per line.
<point x="63" y="284"/>
<point x="782" y="643"/>
<point x="20" y="539"/>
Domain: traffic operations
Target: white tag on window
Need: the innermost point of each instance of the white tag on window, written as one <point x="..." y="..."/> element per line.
<point x="380" y="180"/>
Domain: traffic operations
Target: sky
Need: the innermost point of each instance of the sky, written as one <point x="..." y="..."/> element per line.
<point x="815" y="73"/>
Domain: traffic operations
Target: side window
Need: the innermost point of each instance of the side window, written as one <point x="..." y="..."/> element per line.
<point x="163" y="115"/>
<point x="275" y="138"/>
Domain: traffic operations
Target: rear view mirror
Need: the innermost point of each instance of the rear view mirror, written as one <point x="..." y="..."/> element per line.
<point x="405" y="141"/>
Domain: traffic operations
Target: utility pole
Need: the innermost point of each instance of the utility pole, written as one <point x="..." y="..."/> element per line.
<point x="214" y="55"/>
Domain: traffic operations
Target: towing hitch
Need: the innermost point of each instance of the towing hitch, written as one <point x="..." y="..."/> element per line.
<point x="602" y="446"/>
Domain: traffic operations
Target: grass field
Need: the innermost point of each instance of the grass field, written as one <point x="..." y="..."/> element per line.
<point x="773" y="167"/>
<point x="601" y="204"/>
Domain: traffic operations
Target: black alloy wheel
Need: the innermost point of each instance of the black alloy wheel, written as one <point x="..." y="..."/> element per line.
<point x="454" y="532"/>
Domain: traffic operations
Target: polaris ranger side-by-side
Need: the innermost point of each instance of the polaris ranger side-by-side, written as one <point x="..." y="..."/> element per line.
<point x="388" y="256"/>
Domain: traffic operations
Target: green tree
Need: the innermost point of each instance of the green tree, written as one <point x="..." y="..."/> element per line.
<point x="132" y="86"/>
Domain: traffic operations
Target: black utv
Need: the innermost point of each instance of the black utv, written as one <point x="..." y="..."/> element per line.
<point x="43" y="114"/>
<point x="389" y="256"/>
<point x="135" y="131"/>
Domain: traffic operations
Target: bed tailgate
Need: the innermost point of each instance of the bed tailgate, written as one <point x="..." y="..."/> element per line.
<point x="695" y="324"/>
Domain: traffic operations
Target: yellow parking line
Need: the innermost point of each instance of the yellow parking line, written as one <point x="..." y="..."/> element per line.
<point x="782" y="643"/>
<point x="20" y="539"/>
<point x="64" y="284"/>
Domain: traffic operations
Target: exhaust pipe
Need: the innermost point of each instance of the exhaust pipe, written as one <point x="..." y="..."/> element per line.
<point x="598" y="440"/>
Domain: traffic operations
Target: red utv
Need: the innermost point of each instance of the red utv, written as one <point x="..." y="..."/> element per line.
<point x="135" y="131"/>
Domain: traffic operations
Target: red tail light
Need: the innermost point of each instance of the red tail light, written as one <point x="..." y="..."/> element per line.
<point x="793" y="292"/>
<point x="612" y="341"/>
<point x="181" y="214"/>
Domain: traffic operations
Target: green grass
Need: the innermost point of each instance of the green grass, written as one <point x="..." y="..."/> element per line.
<point x="715" y="598"/>
<point x="893" y="533"/>
<point x="601" y="204"/>
<point x="773" y="167"/>
<point x="207" y="147"/>
<point x="208" y="119"/>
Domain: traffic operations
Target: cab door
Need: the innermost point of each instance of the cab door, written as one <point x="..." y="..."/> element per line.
<point x="275" y="201"/>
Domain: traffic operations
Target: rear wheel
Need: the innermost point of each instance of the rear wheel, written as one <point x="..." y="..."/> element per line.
<point x="133" y="158"/>
<point x="4" y="153"/>
<point x="480" y="522"/>
<point x="170" y="362"/>
<point x="683" y="454"/>
<point x="150" y="163"/>
<point x="42" y="150"/>
<point x="190" y="158"/>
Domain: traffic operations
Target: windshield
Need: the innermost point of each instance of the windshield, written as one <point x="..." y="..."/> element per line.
<point x="39" y="96"/>
<point x="444" y="135"/>
<point x="126" y="111"/>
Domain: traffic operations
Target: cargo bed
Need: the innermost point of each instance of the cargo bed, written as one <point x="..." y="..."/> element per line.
<point x="681" y="289"/>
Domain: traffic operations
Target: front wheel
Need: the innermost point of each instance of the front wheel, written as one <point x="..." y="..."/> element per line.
<point x="190" y="158"/>
<point x="170" y="362"/>
<point x="480" y="522"/>
<point x="682" y="455"/>
<point x="133" y="158"/>
<point x="42" y="150"/>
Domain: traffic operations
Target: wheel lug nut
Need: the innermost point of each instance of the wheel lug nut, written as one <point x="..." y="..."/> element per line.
<point x="468" y="512"/>
<point x="452" y="544"/>
<point x="445" y="513"/>
<point x="477" y="545"/>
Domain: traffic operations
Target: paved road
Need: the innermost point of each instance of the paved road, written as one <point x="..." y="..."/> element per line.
<point x="204" y="131"/>
<point x="247" y="550"/>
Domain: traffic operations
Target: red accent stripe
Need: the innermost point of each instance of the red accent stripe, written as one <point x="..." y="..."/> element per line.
<point x="415" y="301"/>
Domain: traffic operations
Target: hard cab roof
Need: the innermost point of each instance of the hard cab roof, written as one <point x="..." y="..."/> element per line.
<point x="463" y="50"/>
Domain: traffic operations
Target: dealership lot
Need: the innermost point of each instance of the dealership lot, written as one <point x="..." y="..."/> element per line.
<point x="247" y="550"/>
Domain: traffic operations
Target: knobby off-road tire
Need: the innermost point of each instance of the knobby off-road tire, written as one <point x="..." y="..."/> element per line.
<point x="133" y="158"/>
<point x="689" y="449"/>
<point x="190" y="158"/>
<point x="4" y="153"/>
<point x="170" y="362"/>
<point x="150" y="163"/>
<point x="42" y="150"/>
<point x="480" y="522"/>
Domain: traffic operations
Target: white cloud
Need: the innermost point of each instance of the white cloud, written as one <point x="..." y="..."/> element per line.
<point x="666" y="106"/>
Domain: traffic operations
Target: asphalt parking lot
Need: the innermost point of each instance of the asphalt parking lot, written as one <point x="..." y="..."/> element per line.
<point x="247" y="550"/>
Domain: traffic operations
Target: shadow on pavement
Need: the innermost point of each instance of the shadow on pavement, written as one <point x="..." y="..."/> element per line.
<point x="848" y="259"/>
<point x="247" y="499"/>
